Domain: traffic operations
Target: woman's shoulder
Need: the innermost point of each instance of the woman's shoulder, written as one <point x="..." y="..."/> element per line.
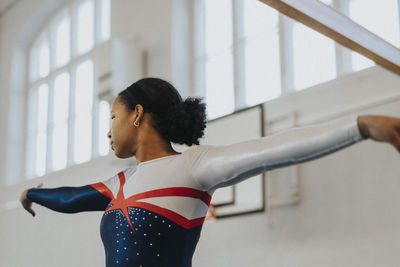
<point x="199" y="147"/>
<point x="194" y="153"/>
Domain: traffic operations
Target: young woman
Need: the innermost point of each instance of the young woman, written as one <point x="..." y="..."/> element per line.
<point x="154" y="212"/>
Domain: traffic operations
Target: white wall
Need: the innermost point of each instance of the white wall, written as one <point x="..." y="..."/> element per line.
<point x="348" y="213"/>
<point x="348" y="210"/>
<point x="148" y="23"/>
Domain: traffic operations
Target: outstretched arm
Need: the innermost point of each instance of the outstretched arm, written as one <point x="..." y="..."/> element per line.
<point x="67" y="199"/>
<point x="218" y="166"/>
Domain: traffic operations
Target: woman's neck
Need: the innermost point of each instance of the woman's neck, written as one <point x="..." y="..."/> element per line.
<point x="152" y="149"/>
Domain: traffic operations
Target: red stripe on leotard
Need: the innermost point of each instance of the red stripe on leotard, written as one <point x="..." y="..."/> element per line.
<point x="174" y="192"/>
<point x="120" y="202"/>
<point x="103" y="189"/>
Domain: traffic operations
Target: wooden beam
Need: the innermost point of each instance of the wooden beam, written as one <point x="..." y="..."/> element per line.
<point x="341" y="29"/>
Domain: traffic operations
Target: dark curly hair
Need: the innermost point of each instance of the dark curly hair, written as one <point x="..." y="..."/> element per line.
<point x="177" y="121"/>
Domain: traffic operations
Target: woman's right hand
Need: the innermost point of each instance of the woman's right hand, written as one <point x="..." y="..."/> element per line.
<point x="26" y="203"/>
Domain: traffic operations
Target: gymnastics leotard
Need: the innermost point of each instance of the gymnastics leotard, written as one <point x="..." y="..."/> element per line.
<point x="154" y="212"/>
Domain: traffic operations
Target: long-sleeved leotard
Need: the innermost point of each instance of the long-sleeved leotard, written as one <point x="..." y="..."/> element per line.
<point x="154" y="212"/>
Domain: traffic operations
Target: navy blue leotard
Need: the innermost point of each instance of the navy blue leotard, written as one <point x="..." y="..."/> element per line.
<point x="154" y="212"/>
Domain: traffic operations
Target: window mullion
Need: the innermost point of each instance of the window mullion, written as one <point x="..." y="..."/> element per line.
<point x="73" y="29"/>
<point x="95" y="108"/>
<point x="343" y="55"/>
<point x="50" y="124"/>
<point x="286" y="54"/>
<point x="398" y="7"/>
<point x="95" y="116"/>
<point x="50" y="110"/>
<point x="71" y="117"/>
<point x="38" y="82"/>
<point x="97" y="21"/>
<point x="71" y="113"/>
<point x="239" y="57"/>
<point x="200" y="49"/>
<point x="26" y="158"/>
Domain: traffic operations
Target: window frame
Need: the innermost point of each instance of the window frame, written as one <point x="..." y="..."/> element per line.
<point x="48" y="29"/>
<point x="342" y="56"/>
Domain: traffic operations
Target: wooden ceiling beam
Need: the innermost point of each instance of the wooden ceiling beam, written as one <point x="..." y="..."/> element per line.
<point x="341" y="29"/>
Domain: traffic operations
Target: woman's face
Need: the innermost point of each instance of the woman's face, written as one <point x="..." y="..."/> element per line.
<point x="122" y="133"/>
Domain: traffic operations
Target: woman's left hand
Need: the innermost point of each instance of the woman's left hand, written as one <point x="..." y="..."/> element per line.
<point x="381" y="129"/>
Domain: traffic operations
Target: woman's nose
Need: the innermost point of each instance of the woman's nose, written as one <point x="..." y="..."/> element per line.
<point x="109" y="134"/>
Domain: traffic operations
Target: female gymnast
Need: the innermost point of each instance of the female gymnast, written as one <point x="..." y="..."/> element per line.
<point x="154" y="212"/>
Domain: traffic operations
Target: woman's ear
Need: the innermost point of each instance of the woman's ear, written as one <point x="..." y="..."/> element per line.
<point x="139" y="111"/>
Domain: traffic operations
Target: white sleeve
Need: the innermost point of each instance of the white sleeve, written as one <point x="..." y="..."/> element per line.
<point x="218" y="166"/>
<point x="112" y="183"/>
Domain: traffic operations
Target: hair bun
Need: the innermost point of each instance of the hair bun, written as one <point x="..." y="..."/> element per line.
<point x="187" y="121"/>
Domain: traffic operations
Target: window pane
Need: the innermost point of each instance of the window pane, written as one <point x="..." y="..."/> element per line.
<point x="360" y="62"/>
<point x="83" y="111"/>
<point x="84" y="88"/>
<point x="379" y="17"/>
<point x="63" y="40"/>
<point x="60" y="118"/>
<point x="82" y="138"/>
<point x="262" y="53"/>
<point x="218" y="28"/>
<point x="262" y="71"/>
<point x="85" y="34"/>
<point x="37" y="134"/>
<point x="61" y="98"/>
<point x="104" y="127"/>
<point x="219" y="85"/>
<point x="44" y="58"/>
<point x="313" y="57"/>
<point x="43" y="94"/>
<point x="105" y="20"/>
<point x="59" y="146"/>
<point x="259" y="19"/>
<point x="41" y="147"/>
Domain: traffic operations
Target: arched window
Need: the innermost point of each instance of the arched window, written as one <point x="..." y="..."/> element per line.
<point x="66" y="123"/>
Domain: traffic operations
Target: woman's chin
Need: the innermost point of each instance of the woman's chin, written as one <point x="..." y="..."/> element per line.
<point x="121" y="155"/>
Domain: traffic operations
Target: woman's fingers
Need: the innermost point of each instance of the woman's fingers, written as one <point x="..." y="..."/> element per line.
<point x="395" y="133"/>
<point x="26" y="203"/>
<point x="396" y="143"/>
<point x="30" y="210"/>
<point x="382" y="129"/>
